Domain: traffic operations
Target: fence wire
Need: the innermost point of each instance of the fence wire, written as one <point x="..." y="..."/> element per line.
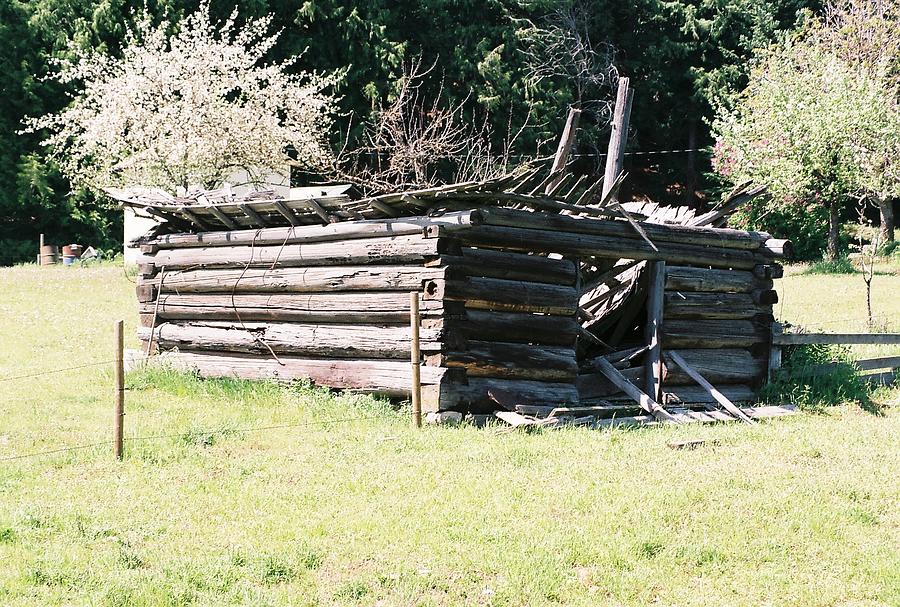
<point x="152" y="437"/>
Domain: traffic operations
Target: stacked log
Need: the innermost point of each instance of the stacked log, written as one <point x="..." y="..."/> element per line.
<point x="723" y="318"/>
<point x="502" y="304"/>
<point x="331" y="303"/>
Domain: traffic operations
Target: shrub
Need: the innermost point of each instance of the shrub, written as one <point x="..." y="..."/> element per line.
<point x="841" y="265"/>
<point x="841" y="385"/>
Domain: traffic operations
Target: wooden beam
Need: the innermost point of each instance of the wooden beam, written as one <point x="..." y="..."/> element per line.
<point x="384" y="250"/>
<point x="647" y="403"/>
<point x="618" y="137"/>
<point x="221" y="216"/>
<point x="796" y="339"/>
<point x="720" y="398"/>
<point x="562" y="151"/>
<point x="653" y="368"/>
<point x="253" y="215"/>
<point x="285" y="212"/>
<point x="347" y="230"/>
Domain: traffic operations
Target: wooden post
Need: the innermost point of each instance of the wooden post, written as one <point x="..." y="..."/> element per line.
<point x="415" y="358"/>
<point x="775" y="351"/>
<point x="618" y="137"/>
<point x="40" y="251"/>
<point x="653" y="329"/>
<point x="120" y="390"/>
<point x="565" y="146"/>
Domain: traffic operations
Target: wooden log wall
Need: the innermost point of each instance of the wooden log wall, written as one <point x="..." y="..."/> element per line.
<point x="500" y="293"/>
<point x="331" y="303"/>
<point x="719" y="321"/>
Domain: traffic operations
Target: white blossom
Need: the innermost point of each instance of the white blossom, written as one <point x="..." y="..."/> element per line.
<point x="187" y="108"/>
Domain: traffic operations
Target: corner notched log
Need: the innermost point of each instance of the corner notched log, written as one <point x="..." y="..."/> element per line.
<point x="510" y="266"/>
<point x="474" y="395"/>
<point x="487" y="325"/>
<point x="676" y="234"/>
<point x="702" y="333"/>
<point x="580" y="245"/>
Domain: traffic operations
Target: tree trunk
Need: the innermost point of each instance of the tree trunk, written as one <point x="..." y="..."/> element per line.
<point x="886" y="209"/>
<point x="834" y="229"/>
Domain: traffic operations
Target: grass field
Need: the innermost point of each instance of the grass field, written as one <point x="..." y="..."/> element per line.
<point x="339" y="502"/>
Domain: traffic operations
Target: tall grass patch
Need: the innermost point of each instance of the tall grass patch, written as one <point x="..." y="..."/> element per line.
<point x="797" y="381"/>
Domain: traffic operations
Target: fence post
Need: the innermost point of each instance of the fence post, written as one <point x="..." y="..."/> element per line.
<point x="120" y="390"/>
<point x="415" y="358"/>
<point x="774" y="362"/>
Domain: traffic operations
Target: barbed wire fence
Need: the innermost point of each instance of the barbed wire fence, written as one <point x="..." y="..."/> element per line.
<point x="193" y="433"/>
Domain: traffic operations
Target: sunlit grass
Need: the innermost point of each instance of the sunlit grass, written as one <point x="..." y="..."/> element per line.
<point x="338" y="501"/>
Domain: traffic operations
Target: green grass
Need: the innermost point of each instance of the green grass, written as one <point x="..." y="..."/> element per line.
<point x="317" y="510"/>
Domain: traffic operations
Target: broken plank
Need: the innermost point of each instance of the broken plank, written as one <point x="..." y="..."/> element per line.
<point x="720" y="398"/>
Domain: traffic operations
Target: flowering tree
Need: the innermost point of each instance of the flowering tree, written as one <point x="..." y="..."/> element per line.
<point x="189" y="108"/>
<point x="820" y="120"/>
<point x="812" y="127"/>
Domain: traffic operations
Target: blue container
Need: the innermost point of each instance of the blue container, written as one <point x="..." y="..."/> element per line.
<point x="69" y="260"/>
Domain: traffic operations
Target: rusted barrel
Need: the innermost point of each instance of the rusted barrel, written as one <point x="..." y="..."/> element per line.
<point x="70" y="253"/>
<point x="49" y="254"/>
<point x="72" y="250"/>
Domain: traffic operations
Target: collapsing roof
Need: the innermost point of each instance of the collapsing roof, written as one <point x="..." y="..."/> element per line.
<point x="533" y="286"/>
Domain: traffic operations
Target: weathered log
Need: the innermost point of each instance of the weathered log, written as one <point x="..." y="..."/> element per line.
<point x="725" y="366"/>
<point x="474" y="396"/>
<point x="331" y="341"/>
<point x="510" y="266"/>
<point x="572" y="244"/>
<point x="778" y="247"/>
<point x="703" y="333"/>
<point x="342" y="231"/>
<point x="768" y="271"/>
<point x="488" y="325"/>
<point x="510" y="360"/>
<point x="718" y="305"/>
<point x="299" y="280"/>
<point x="716" y="237"/>
<point x="390" y="250"/>
<point x="505" y="295"/>
<point x="720" y="398"/>
<point x="685" y="278"/>
<point x="351" y="308"/>
<point x="391" y="377"/>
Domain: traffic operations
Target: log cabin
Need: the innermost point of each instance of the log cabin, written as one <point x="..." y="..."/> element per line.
<point x="535" y="291"/>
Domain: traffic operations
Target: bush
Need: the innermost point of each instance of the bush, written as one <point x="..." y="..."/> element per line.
<point x="839" y="386"/>
<point x="890" y="248"/>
